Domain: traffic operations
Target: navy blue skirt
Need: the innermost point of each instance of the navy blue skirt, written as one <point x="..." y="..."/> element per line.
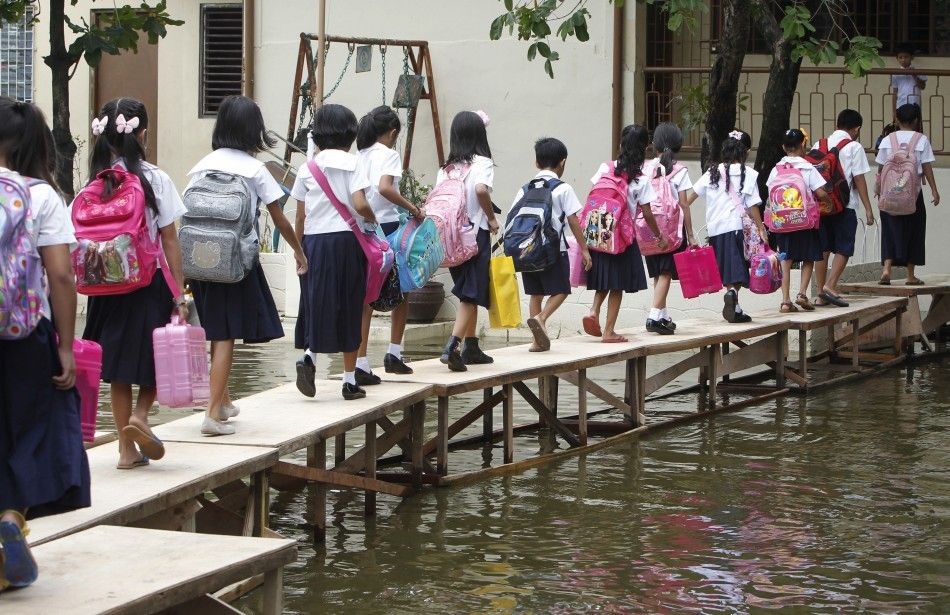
<point x="622" y="271"/>
<point x="903" y="237"/>
<point x="331" y="294"/>
<point x="733" y="267"/>
<point x="43" y="466"/>
<point x="471" y="277"/>
<point x="555" y="280"/>
<point x="799" y="246"/>
<point x="123" y="325"/>
<point x="664" y="263"/>
<point x="244" y="310"/>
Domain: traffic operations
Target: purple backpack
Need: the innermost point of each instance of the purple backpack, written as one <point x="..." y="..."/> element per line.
<point x="21" y="271"/>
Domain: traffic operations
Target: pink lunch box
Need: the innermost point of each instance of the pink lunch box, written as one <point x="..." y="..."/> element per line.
<point x="88" y="357"/>
<point x="576" y="257"/>
<point x="181" y="365"/>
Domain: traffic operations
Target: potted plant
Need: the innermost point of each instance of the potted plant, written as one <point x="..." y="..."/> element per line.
<point x="424" y="303"/>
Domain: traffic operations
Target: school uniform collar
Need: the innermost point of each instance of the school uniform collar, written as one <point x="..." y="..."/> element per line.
<point x="376" y="146"/>
<point x="226" y="158"/>
<point x="546" y="174"/>
<point x="336" y="159"/>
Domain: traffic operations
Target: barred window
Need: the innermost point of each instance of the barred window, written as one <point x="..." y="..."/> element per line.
<point x="16" y="59"/>
<point x="222" y="42"/>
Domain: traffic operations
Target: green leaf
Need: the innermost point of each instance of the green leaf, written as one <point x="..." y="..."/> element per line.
<point x="532" y="51"/>
<point x="675" y="22"/>
<point x="509" y="4"/>
<point x="543" y="49"/>
<point x="581" y="33"/>
<point x="497" y="25"/>
<point x="549" y="69"/>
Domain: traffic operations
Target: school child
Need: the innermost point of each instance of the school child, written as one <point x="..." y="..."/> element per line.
<point x="907" y="87"/>
<point x="376" y="140"/>
<point x="334" y="287"/>
<point x="242" y="310"/>
<point x="802" y="246"/>
<point x="43" y="466"/>
<point x="667" y="142"/>
<point x="731" y="192"/>
<point x="468" y="145"/>
<point x="611" y="275"/>
<point x="837" y="232"/>
<point x="903" y="237"/>
<point x="555" y="282"/>
<point x="123" y="324"/>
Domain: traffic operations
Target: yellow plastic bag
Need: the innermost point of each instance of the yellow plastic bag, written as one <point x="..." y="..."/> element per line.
<point x="504" y="311"/>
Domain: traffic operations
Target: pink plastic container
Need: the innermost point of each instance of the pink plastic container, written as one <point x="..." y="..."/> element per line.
<point x="181" y="365"/>
<point x="88" y="357"/>
<point x="698" y="271"/>
<point x="576" y="257"/>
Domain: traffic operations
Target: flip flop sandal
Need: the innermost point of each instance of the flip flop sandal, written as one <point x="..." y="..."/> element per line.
<point x="833" y="299"/>
<point x="151" y="447"/>
<point x="541" y="338"/>
<point x="885" y="280"/>
<point x="591" y="326"/>
<point x="139" y="463"/>
<point x="804" y="303"/>
<point x="787" y="307"/>
<point x="615" y="340"/>
<point x="914" y="282"/>
<point x="19" y="567"/>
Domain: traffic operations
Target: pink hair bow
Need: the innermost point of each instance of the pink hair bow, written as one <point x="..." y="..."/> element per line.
<point x="99" y="126"/>
<point x="485" y="119"/>
<point x="126" y="126"/>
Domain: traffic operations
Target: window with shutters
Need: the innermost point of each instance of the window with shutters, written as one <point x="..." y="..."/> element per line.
<point x="221" y="54"/>
<point x="16" y="58"/>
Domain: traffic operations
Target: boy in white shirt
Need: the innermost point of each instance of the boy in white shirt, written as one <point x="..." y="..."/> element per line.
<point x="837" y="232"/>
<point x="554" y="283"/>
<point x="907" y="88"/>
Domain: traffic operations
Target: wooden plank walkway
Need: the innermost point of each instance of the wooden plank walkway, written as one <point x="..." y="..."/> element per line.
<point x="121" y="570"/>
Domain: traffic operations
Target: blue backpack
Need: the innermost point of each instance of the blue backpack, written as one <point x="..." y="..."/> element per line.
<point x="530" y="238"/>
<point x="419" y="252"/>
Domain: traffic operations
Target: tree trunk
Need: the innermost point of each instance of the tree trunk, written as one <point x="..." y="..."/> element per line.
<point x="60" y="63"/>
<point x="724" y="77"/>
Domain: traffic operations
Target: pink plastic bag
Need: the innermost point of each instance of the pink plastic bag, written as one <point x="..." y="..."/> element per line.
<point x="765" y="271"/>
<point x="181" y="365"/>
<point x="697" y="271"/>
<point x="576" y="257"/>
<point x="88" y="372"/>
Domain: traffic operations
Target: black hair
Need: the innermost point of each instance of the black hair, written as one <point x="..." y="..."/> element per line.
<point x="334" y="127"/>
<point x="240" y="126"/>
<point x="467" y="138"/>
<point x="633" y="147"/>
<point x="111" y="145"/>
<point x="904" y="47"/>
<point x="793" y="139"/>
<point x="549" y="152"/>
<point x="734" y="151"/>
<point x="908" y="114"/>
<point x="848" y="119"/>
<point x="26" y="141"/>
<point x="667" y="141"/>
<point x="375" y="124"/>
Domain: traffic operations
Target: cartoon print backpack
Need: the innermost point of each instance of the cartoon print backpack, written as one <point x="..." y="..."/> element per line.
<point x="114" y="254"/>
<point x="218" y="235"/>
<point x="765" y="271"/>
<point x="419" y="252"/>
<point x="899" y="182"/>
<point x="21" y="271"/>
<point x="792" y="205"/>
<point x="827" y="161"/>
<point x="606" y="219"/>
<point x="750" y="234"/>
<point x="446" y="207"/>
<point x="530" y="239"/>
<point x="666" y="210"/>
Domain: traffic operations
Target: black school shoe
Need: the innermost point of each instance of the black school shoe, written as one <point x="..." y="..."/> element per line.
<point x="306" y="376"/>
<point x="366" y="379"/>
<point x="352" y="391"/>
<point x="395" y="365"/>
<point x="452" y="357"/>
<point x="473" y="355"/>
<point x="659" y="326"/>
<point x="669" y="323"/>
<point x="730" y="301"/>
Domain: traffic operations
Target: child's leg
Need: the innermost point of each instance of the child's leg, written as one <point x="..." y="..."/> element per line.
<point x="349" y="362"/>
<point x="364" y="330"/>
<point x="465" y="320"/>
<point x="398" y="326"/>
<point x="121" y="396"/>
<point x="144" y="402"/>
<point x="821" y="271"/>
<point x="534" y="305"/>
<point x="910" y="271"/>
<point x="613" y="311"/>
<point x="837" y="269"/>
<point x="786" y="281"/>
<point x="888" y="263"/>
<point x="599" y="297"/>
<point x="807" y="268"/>
<point x="661" y="290"/>
<point x="550" y="306"/>
<point x="222" y="357"/>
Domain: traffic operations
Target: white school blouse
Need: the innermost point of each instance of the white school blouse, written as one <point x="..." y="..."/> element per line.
<point x="721" y="213"/>
<point x="346" y="175"/>
<point x="261" y="185"/>
<point x="482" y="172"/>
<point x="906" y="86"/>
<point x="924" y="150"/>
<point x="679" y="181"/>
<point x="639" y="191"/>
<point x="564" y="202"/>
<point x="854" y="162"/>
<point x="810" y="174"/>
<point x="380" y="160"/>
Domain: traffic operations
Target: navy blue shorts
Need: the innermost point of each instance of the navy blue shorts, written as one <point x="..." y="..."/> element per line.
<point x="837" y="232"/>
<point x="555" y="280"/>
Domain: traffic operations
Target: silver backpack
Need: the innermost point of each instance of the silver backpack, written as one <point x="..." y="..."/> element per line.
<point x="218" y="235"/>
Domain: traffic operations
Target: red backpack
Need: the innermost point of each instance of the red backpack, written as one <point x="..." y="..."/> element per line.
<point x="828" y="164"/>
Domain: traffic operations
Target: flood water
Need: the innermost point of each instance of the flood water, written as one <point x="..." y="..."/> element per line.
<point x="838" y="502"/>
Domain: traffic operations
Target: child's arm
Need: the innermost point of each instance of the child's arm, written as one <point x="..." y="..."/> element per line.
<point x="484" y="201"/>
<point x="299" y="219"/>
<point x="691" y="197"/>
<point x="580" y="239"/>
<point x="823" y="197"/>
<point x="929" y="174"/>
<point x="757" y="218"/>
<point x="173" y="254"/>
<point x="361" y="205"/>
<point x="389" y="192"/>
<point x="861" y="185"/>
<point x="288" y="233"/>
<point x="651" y="222"/>
<point x="685" y="202"/>
<point x="62" y="290"/>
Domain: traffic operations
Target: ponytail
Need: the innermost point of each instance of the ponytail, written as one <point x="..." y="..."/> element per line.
<point x="375" y="124"/>
<point x="667" y="140"/>
<point x="26" y="141"/>
<point x="633" y="147"/>
<point x="111" y="144"/>
<point x="735" y="150"/>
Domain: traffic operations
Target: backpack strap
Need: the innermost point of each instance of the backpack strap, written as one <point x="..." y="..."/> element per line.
<point x="914" y="140"/>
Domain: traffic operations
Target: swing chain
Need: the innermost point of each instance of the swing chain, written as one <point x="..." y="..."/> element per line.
<point x="382" y="53"/>
<point x="351" y="48"/>
<point x="405" y="72"/>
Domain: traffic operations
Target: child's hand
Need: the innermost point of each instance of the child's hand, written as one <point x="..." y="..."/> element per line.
<point x="763" y="235"/>
<point x="662" y="243"/>
<point x="302" y="263"/>
<point x="67" y="379"/>
<point x="418" y="214"/>
<point x="493" y="226"/>
<point x="870" y="217"/>
<point x="588" y="263"/>
<point x="935" y="198"/>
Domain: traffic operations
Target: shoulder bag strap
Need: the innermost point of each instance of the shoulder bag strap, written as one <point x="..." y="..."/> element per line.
<point x="341" y="209"/>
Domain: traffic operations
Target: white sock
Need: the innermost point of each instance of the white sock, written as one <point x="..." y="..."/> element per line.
<point x="664" y="315"/>
<point x="311" y="354"/>
<point x="654" y="314"/>
<point x="396" y="350"/>
<point x="363" y="364"/>
<point x="738" y="309"/>
<point x="349" y="378"/>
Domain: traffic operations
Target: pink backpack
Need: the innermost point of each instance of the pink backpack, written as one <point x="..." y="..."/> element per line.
<point x="446" y="206"/>
<point x="606" y="219"/>
<point x="899" y="183"/>
<point x="666" y="210"/>
<point x="115" y="254"/>
<point x="21" y="271"/>
<point x="765" y="271"/>
<point x="792" y="205"/>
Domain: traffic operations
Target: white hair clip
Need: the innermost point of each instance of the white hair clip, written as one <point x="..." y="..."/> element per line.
<point x="485" y="119"/>
<point x="126" y="126"/>
<point x="99" y="126"/>
<point x="736" y="134"/>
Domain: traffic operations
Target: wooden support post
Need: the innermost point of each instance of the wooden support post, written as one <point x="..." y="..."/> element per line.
<point x="508" y="418"/>
<point x="339" y="448"/>
<point x="370" y="501"/>
<point x="488" y="428"/>
<point x="781" y="342"/>
<point x="856" y="344"/>
<point x="417" y="418"/>
<point x="261" y="490"/>
<point x="803" y="353"/>
<point x="582" y="406"/>
<point x="898" y="332"/>
<point x="317" y="458"/>
<point x="274" y="592"/>
<point x="641" y="408"/>
<point x="725" y="351"/>
<point x="712" y="373"/>
<point x="631" y="392"/>
<point x="832" y="346"/>
<point x="443" y="436"/>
